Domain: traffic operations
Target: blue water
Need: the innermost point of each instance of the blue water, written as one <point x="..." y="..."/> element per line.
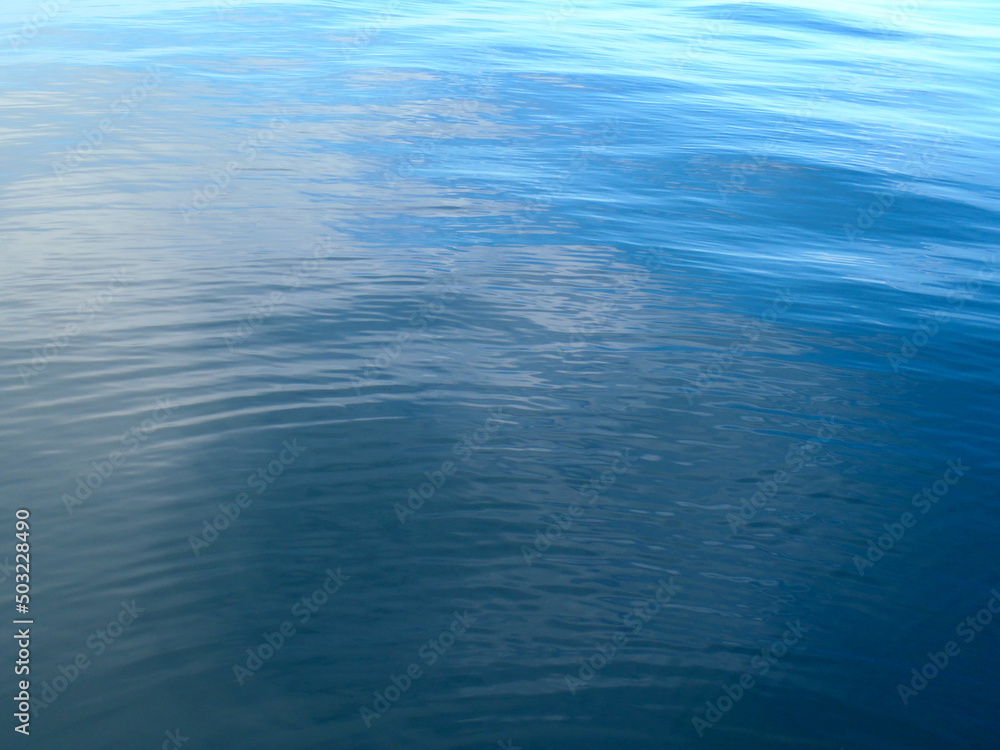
<point x="573" y="375"/>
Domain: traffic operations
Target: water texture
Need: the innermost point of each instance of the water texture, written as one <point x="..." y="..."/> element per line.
<point x="534" y="375"/>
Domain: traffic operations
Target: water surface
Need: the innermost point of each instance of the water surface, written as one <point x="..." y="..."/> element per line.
<point x="525" y="312"/>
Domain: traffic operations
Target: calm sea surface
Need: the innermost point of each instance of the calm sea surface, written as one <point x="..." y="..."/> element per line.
<point x="561" y="374"/>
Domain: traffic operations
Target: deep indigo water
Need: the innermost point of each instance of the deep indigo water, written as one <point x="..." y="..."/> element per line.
<point x="562" y="375"/>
